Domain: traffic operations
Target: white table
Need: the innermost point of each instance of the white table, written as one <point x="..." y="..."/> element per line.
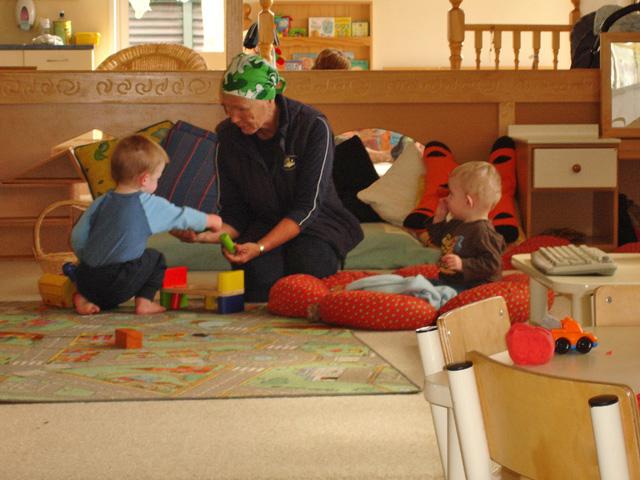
<point x="616" y="359"/>
<point x="579" y="288"/>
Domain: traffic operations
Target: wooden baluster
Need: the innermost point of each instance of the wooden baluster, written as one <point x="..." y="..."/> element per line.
<point x="555" y="45"/>
<point x="478" y="46"/>
<point x="266" y="24"/>
<point x="516" y="48"/>
<point x="455" y="28"/>
<point x="497" y="45"/>
<point x="536" y="50"/>
<point x="233" y="27"/>
<point x="574" y="16"/>
<point x="246" y="16"/>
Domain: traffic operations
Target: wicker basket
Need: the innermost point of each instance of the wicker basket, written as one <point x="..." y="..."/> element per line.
<point x="53" y="262"/>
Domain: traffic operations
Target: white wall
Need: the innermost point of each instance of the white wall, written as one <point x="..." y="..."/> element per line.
<point x="413" y="33"/>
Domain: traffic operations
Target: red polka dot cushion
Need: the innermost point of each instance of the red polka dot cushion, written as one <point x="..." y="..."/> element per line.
<point x="291" y="296"/>
<point x="531" y="245"/>
<point x="631" y="247"/>
<point x="427" y="270"/>
<point x="345" y="277"/>
<point x="375" y="310"/>
<point x="516" y="294"/>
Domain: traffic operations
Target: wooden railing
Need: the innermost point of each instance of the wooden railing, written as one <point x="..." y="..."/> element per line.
<point x="457" y="28"/>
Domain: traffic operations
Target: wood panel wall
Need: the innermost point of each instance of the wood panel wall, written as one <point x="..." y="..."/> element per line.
<point x="467" y="110"/>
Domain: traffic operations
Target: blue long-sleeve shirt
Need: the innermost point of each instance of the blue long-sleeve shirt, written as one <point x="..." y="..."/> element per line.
<point x="116" y="227"/>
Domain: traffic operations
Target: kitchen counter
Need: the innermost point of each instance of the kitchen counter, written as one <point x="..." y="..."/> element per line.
<point x="29" y="46"/>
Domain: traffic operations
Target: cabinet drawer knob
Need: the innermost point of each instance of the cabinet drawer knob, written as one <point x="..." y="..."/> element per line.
<point x="576" y="167"/>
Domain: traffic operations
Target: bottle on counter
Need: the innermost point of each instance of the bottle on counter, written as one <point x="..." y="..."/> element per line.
<point x="62" y="28"/>
<point x="45" y="26"/>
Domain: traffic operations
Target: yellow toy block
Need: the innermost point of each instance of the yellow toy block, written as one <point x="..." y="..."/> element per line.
<point x="211" y="302"/>
<point x="56" y="290"/>
<point x="231" y="282"/>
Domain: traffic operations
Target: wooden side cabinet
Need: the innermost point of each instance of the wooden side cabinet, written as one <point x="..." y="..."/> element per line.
<point x="563" y="184"/>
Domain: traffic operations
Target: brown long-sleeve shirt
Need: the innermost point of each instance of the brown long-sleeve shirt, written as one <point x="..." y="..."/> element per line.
<point x="478" y="245"/>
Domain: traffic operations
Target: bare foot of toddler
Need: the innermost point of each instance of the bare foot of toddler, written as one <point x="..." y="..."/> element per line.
<point x="144" y="306"/>
<point x="84" y="306"/>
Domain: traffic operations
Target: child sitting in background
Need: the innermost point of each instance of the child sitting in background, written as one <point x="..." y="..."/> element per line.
<point x="111" y="236"/>
<point x="331" y="59"/>
<point x="471" y="248"/>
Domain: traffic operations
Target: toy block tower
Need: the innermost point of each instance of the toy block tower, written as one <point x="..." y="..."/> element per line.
<point x="174" y="277"/>
<point x="231" y="291"/>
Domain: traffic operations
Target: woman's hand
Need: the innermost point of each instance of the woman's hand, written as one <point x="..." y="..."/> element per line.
<point x="189" y="236"/>
<point x="245" y="252"/>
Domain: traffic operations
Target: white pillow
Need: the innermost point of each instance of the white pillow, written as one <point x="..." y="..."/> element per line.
<point x="395" y="194"/>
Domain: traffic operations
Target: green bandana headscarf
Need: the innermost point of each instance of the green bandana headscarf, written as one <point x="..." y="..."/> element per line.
<point x="250" y="76"/>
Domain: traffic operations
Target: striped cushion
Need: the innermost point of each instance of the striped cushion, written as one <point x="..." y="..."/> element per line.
<point x="190" y="177"/>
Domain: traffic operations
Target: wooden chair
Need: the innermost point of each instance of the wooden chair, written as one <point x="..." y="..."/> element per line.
<point x="616" y="305"/>
<point x="480" y="326"/>
<point x="540" y="426"/>
<point x="160" y="57"/>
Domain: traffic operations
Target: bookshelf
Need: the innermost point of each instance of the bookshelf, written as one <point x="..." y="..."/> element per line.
<point x="299" y="11"/>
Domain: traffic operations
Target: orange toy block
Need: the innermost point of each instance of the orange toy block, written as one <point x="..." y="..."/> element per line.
<point x="128" y="338"/>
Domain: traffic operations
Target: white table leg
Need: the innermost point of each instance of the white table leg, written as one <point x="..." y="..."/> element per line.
<point x="455" y="467"/>
<point x="609" y="436"/>
<point x="433" y="361"/>
<point x="537" y="301"/>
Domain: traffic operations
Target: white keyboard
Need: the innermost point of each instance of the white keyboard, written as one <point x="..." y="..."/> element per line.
<point x="573" y="260"/>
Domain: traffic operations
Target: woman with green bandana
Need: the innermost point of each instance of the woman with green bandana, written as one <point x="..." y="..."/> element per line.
<point x="277" y="197"/>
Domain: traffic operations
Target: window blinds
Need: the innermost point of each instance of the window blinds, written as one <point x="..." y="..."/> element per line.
<point x="169" y="21"/>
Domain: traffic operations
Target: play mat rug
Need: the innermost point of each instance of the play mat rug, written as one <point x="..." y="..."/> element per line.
<point x="53" y="355"/>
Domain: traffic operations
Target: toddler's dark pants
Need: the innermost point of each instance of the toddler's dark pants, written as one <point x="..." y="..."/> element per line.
<point x="303" y="254"/>
<point x="110" y="285"/>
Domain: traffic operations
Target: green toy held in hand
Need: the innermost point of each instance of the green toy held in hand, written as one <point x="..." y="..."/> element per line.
<point x="227" y="243"/>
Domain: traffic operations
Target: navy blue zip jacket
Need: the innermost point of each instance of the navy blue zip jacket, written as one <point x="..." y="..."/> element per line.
<point x="295" y="183"/>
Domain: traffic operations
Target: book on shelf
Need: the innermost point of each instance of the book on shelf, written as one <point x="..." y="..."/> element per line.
<point x="293" y="65"/>
<point x="360" y="29"/>
<point x="343" y="26"/>
<point x="307" y="59"/>
<point x="358" y="64"/>
<point x="322" y="27"/>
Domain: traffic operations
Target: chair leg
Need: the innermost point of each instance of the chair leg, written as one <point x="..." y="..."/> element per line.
<point x="609" y="437"/>
<point x="469" y="422"/>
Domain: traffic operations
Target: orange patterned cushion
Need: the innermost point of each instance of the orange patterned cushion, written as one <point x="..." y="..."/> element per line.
<point x="531" y="245"/>
<point x="439" y="162"/>
<point x="516" y="294"/>
<point x="339" y="280"/>
<point x="427" y="270"/>
<point x="632" y="247"/>
<point x="375" y="310"/>
<point x="291" y="296"/>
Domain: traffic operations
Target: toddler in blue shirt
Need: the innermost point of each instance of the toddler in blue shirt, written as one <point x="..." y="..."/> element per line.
<point x="110" y="238"/>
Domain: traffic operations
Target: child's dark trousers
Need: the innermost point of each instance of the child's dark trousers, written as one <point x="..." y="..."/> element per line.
<point x="110" y="285"/>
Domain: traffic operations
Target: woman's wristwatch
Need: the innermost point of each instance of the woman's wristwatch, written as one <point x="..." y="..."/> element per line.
<point x="261" y="249"/>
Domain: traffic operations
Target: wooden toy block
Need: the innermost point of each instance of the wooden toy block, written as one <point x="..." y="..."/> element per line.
<point x="56" y="290"/>
<point x="128" y="338"/>
<point x="232" y="281"/>
<point x="231" y="304"/>
<point x="173" y="301"/>
<point x="175" y="277"/>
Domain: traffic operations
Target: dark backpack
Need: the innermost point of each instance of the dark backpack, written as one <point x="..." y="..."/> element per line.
<point x="585" y="45"/>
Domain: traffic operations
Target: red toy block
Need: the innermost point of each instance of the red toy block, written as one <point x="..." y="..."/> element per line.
<point x="128" y="338"/>
<point x="175" y="277"/>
